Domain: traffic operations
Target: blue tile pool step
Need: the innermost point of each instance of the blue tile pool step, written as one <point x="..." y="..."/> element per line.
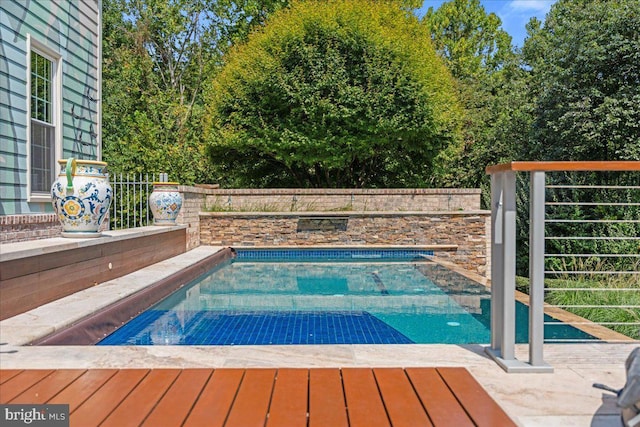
<point x="162" y="327"/>
<point x="245" y="254"/>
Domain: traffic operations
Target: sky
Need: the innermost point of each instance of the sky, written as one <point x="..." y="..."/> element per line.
<point x="514" y="14"/>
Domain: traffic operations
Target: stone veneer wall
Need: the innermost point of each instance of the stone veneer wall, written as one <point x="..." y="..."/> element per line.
<point x="203" y="198"/>
<point x="22" y="228"/>
<point x="464" y="232"/>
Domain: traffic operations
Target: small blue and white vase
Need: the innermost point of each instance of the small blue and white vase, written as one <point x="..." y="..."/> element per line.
<point x="81" y="196"/>
<point x="165" y="202"/>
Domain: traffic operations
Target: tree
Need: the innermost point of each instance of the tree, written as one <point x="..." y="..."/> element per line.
<point x="490" y="80"/>
<point x="585" y="93"/>
<point x="470" y="40"/>
<point x="156" y="55"/>
<point x="332" y="94"/>
<point x="585" y="62"/>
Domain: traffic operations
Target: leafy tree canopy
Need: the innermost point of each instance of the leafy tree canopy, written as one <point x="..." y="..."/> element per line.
<point x="585" y="62"/>
<point x="471" y="40"/>
<point x="480" y="56"/>
<point x="346" y="93"/>
<point x="156" y="55"/>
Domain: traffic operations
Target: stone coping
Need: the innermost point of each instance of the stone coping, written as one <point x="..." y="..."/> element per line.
<point x="18" y="250"/>
<point x="338" y="214"/>
<point x="331" y="191"/>
<point x="338" y="247"/>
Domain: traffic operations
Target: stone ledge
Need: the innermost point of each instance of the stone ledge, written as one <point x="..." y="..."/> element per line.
<point x="244" y="214"/>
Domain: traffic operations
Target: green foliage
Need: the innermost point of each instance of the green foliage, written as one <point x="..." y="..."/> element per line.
<point x="604" y="293"/>
<point x="332" y="94"/>
<point x="469" y="39"/>
<point x="491" y="83"/>
<point x="607" y="294"/>
<point x="150" y="110"/>
<point x="583" y="98"/>
<point x="156" y="55"/>
<point x="585" y="60"/>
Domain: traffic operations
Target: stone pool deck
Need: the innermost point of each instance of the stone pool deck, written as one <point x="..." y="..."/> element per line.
<point x="563" y="398"/>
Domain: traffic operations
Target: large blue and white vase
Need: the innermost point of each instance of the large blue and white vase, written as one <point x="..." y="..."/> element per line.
<point x="81" y="196"/>
<point x="165" y="202"/>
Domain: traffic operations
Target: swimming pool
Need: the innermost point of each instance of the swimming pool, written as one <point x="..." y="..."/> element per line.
<point x="313" y="296"/>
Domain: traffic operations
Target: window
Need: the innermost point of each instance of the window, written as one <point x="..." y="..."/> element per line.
<point x="43" y="147"/>
<point x="42" y="126"/>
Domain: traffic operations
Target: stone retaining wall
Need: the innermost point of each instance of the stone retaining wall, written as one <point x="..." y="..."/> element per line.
<point x="466" y="234"/>
<point x="203" y="198"/>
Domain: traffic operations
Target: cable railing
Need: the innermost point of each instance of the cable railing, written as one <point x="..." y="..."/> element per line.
<point x="129" y="207"/>
<point x="584" y="254"/>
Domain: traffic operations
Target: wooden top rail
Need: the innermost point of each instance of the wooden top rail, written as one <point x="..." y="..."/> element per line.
<point x="600" y="166"/>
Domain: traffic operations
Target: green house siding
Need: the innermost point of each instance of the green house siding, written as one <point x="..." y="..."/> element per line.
<point x="71" y="29"/>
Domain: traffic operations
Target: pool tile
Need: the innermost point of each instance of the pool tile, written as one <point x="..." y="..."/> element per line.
<point x="158" y="327"/>
<point x="330" y="254"/>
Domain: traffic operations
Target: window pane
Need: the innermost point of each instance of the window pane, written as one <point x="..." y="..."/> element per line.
<point x="42" y="156"/>
<point x="46" y="70"/>
<point x="41" y="75"/>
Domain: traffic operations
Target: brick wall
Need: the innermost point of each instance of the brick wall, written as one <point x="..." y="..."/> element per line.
<point x="26" y="227"/>
<point x="22" y="228"/>
<point x="465" y="231"/>
<point x="193" y="201"/>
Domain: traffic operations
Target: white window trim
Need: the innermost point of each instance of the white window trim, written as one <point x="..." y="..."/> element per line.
<point x="56" y="59"/>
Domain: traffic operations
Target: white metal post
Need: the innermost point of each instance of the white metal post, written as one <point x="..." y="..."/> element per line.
<point x="497" y="280"/>
<point x="536" y="268"/>
<point x="503" y="267"/>
<point x="503" y="273"/>
<point x="509" y="265"/>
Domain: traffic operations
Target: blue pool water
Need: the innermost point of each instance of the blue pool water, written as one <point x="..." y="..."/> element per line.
<point x="266" y="297"/>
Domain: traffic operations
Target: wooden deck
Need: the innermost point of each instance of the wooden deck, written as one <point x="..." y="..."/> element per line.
<point x="319" y="397"/>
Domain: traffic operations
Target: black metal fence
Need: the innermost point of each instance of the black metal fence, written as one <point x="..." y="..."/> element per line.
<point x="130" y="206"/>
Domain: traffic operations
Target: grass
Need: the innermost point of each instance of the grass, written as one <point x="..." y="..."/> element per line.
<point x="613" y="298"/>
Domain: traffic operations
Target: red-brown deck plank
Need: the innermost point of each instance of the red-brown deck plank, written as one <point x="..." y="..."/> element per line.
<point x="484" y="411"/>
<point x="402" y="404"/>
<point x="326" y="399"/>
<point x="139" y="403"/>
<point x="21" y="382"/>
<point x="364" y="404"/>
<point x="441" y="405"/>
<point x="252" y="401"/>
<point x="289" y="400"/>
<point x="7" y="374"/>
<point x="101" y="403"/>
<point x="83" y="388"/>
<point x="214" y="403"/>
<point x="177" y="402"/>
<point x="285" y="397"/>
<point x="46" y="389"/>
